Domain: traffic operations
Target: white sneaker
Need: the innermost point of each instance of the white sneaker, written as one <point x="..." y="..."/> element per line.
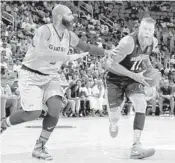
<point x="113" y="130"/>
<point x="137" y="152"/>
<point x="40" y="152"/>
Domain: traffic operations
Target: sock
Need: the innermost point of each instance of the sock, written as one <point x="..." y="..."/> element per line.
<point x="44" y="136"/>
<point x="114" y="114"/>
<point x="49" y="123"/>
<point x="137" y="135"/>
<point x="139" y="122"/>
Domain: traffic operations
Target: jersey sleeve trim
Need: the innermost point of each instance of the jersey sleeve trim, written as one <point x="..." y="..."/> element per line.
<point x="49" y="33"/>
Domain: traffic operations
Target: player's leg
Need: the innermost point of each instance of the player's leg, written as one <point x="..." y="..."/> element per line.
<point x="161" y="99"/>
<point x="153" y="102"/>
<point x="138" y="99"/>
<point x="3" y="105"/>
<point x="53" y="98"/>
<point x="77" y="106"/>
<point x="115" y="96"/>
<point x="12" y="105"/>
<point x="3" y="112"/>
<point x="71" y="104"/>
<point x="31" y="101"/>
<point x="172" y="105"/>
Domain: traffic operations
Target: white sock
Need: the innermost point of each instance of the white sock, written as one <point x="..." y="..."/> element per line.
<point x="136" y="136"/>
<point x="114" y="116"/>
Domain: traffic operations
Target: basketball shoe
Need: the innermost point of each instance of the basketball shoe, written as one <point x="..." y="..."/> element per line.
<point x="137" y="152"/>
<point x="40" y="151"/>
<point x="113" y="127"/>
<point x="3" y="125"/>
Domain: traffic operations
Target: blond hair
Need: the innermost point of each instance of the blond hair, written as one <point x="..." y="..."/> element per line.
<point x="149" y="20"/>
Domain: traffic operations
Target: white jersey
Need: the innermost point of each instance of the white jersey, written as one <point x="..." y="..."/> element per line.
<point x="51" y="62"/>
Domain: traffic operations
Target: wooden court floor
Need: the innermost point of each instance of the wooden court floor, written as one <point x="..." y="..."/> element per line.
<point x="86" y="140"/>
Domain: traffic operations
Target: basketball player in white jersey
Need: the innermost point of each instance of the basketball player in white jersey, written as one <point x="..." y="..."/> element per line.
<point x="38" y="82"/>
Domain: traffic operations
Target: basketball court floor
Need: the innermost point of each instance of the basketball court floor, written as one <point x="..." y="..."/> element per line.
<point x="86" y="140"/>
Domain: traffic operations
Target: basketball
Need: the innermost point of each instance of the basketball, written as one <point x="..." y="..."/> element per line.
<point x="153" y="74"/>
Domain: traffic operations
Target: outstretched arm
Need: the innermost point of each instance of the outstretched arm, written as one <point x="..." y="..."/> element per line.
<point x="75" y="41"/>
<point x="77" y="56"/>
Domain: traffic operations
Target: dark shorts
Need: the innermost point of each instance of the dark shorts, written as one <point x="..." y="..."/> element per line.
<point x="119" y="86"/>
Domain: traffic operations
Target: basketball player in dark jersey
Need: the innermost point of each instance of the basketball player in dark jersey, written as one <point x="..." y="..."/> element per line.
<point x="126" y="77"/>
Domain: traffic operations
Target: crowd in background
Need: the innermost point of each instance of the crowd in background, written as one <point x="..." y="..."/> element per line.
<point x="100" y="23"/>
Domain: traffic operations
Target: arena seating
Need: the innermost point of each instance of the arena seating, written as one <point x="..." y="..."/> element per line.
<point x="98" y="22"/>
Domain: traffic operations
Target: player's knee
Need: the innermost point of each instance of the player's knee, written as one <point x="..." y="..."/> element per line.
<point x="141" y="106"/>
<point x="50" y="122"/>
<point x="54" y="105"/>
<point x="116" y="104"/>
<point x="139" y="102"/>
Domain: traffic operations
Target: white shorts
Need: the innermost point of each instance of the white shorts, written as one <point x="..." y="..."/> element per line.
<point x="36" y="89"/>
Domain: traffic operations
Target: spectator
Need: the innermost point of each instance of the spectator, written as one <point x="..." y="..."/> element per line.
<point x="70" y="78"/>
<point x="13" y="43"/>
<point x="125" y="30"/>
<point x="166" y="96"/>
<point x="151" y="95"/>
<point x="71" y="102"/>
<point x="95" y="98"/>
<point x="17" y="66"/>
<point x="3" y="59"/>
<point x="74" y="94"/>
<point x="7" y="50"/>
<point x="104" y="29"/>
<point x="9" y="101"/>
<point x="27" y="15"/>
<point x="46" y="18"/>
<point x="84" y="96"/>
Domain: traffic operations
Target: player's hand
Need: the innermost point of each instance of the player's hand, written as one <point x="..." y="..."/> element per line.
<point x="140" y="78"/>
<point x="110" y="53"/>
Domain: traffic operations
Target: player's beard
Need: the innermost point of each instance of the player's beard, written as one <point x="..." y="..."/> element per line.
<point x="67" y="24"/>
<point x="146" y="40"/>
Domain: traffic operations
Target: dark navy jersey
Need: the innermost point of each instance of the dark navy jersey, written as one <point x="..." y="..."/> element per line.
<point x="134" y="61"/>
<point x="135" y="56"/>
